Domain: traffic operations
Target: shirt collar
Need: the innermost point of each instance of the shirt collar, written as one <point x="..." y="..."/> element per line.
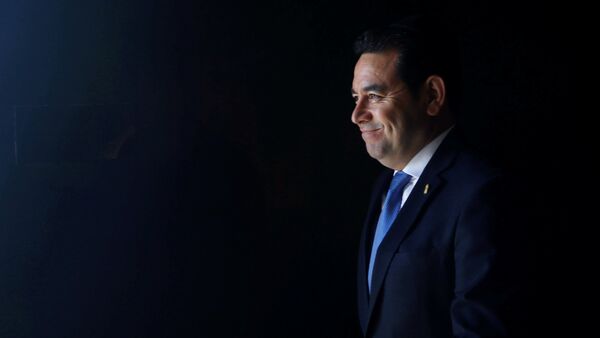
<point x="417" y="164"/>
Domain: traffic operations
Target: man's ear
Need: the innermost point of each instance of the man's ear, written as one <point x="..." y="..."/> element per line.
<point x="435" y="94"/>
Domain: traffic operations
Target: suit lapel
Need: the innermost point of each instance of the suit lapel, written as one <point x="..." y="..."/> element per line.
<point x="366" y="241"/>
<point x="401" y="227"/>
<point x="404" y="222"/>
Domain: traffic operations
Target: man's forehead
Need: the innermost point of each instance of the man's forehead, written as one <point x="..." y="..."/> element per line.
<point x="374" y="71"/>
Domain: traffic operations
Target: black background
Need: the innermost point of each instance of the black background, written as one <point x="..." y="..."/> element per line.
<point x="234" y="207"/>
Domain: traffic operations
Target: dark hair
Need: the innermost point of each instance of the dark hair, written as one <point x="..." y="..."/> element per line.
<point x="427" y="47"/>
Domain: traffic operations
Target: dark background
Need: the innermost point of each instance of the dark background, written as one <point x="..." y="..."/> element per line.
<point x="177" y="169"/>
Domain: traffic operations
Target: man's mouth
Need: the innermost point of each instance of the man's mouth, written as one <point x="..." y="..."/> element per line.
<point x="370" y="134"/>
<point x="369" y="130"/>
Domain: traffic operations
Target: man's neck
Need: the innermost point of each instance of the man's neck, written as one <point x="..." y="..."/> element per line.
<point x="427" y="137"/>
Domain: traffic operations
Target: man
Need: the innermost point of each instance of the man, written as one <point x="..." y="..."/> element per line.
<point x="434" y="259"/>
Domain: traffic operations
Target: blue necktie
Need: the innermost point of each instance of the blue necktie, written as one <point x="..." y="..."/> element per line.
<point x="390" y="209"/>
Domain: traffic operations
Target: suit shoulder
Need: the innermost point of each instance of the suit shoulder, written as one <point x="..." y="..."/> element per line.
<point x="471" y="171"/>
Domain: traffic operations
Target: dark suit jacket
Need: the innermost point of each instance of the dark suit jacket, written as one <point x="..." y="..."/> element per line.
<point x="445" y="267"/>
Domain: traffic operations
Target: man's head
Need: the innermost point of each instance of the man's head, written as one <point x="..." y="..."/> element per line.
<point x="401" y="84"/>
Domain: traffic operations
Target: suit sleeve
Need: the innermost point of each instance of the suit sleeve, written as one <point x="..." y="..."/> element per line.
<point x="486" y="267"/>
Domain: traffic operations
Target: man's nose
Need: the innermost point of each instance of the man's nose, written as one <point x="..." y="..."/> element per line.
<point x="360" y="113"/>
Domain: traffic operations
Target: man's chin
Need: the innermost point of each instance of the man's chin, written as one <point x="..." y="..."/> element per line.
<point x="379" y="155"/>
<point x="374" y="154"/>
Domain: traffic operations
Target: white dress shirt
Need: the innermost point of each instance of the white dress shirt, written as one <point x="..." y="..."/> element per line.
<point x="418" y="163"/>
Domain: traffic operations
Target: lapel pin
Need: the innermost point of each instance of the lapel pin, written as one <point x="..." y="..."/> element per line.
<point x="426" y="190"/>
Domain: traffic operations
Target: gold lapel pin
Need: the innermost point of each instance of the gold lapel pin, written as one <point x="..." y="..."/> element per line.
<point x="426" y="190"/>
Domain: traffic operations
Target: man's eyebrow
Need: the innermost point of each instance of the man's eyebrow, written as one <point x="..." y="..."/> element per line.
<point x="372" y="87"/>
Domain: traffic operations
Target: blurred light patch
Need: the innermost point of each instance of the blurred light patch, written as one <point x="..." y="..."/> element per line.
<point x="58" y="134"/>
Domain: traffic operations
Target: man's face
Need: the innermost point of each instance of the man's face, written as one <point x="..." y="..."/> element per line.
<point x="391" y="120"/>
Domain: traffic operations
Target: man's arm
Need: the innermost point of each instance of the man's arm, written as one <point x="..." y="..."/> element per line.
<point x="486" y="264"/>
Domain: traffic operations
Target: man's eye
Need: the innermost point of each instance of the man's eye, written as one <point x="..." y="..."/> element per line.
<point x="355" y="99"/>
<point x="374" y="97"/>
